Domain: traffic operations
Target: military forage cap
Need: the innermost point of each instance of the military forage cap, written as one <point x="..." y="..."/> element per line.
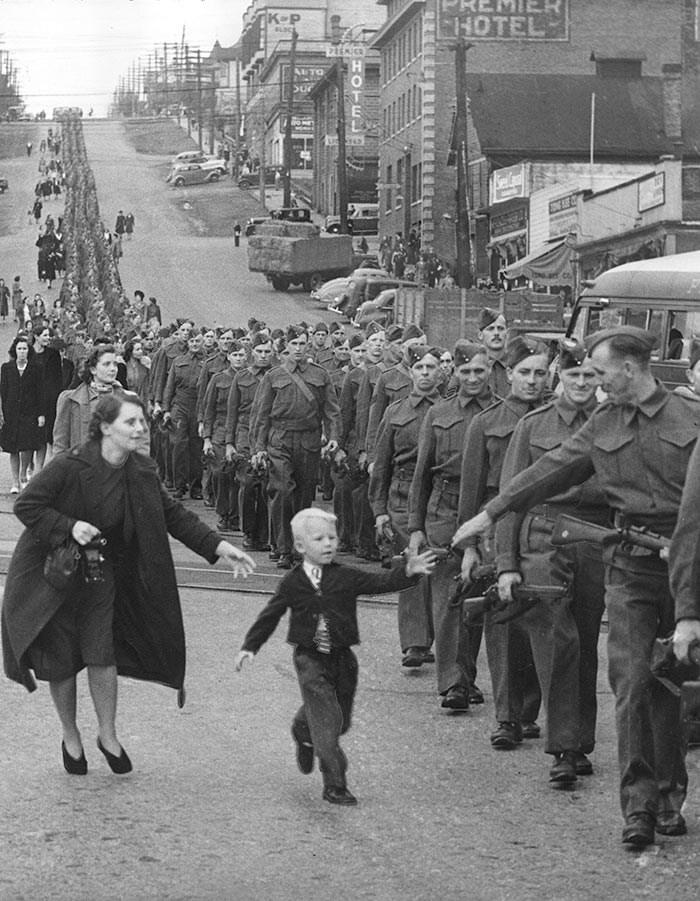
<point x="416" y="352"/>
<point x="520" y="348"/>
<point x="321" y="327"/>
<point x="487" y="316"/>
<point x="394" y="333"/>
<point x="261" y="338"/>
<point x="465" y="351"/>
<point x="412" y="331"/>
<point x="294" y="331"/>
<point x="357" y="340"/>
<point x="647" y="342"/>
<point x="571" y="353"/>
<point x="374" y="327"/>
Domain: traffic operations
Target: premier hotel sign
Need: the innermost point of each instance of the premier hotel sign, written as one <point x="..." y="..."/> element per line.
<point x="504" y="20"/>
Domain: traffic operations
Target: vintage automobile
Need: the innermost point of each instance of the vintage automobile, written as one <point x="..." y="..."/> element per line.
<point x="192" y="174"/>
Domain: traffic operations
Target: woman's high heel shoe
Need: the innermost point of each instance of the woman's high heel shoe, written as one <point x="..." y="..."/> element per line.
<point x="120" y="764"/>
<point x="76" y="766"/>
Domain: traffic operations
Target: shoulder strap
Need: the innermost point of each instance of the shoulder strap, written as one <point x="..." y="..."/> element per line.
<point x="305" y="390"/>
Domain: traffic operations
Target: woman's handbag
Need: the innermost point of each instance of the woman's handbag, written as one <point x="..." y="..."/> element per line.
<point x="62" y="564"/>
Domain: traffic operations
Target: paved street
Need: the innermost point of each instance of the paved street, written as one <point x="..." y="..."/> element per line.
<point x="216" y="808"/>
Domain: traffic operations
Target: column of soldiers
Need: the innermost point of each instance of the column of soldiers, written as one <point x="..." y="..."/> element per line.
<point x="468" y="450"/>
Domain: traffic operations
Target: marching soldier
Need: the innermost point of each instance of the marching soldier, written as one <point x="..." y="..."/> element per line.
<point x="563" y="634"/>
<point x="493" y="332"/>
<point x="515" y="689"/>
<point x="639" y="444"/>
<point x="180" y="408"/>
<point x="252" y="495"/>
<point x="389" y="488"/>
<point x="296" y="406"/>
<point x="433" y="514"/>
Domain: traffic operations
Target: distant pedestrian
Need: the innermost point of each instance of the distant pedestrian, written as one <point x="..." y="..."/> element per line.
<point x="129" y="222"/>
<point x="17" y="300"/>
<point x="4" y="300"/>
<point x="36" y="210"/>
<point x="29" y="148"/>
<point x="120" y="224"/>
<point x="237" y="234"/>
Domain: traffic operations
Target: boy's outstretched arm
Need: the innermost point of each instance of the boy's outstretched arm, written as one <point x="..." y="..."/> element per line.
<point x="241" y="658"/>
<point x="420" y="564"/>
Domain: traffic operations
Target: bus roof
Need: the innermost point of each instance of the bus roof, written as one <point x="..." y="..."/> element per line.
<point x="675" y="277"/>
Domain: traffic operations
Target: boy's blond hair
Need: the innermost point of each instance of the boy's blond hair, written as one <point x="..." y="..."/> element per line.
<point x="301" y="520"/>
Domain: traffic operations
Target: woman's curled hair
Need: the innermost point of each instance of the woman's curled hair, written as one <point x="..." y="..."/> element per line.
<point x="107" y="410"/>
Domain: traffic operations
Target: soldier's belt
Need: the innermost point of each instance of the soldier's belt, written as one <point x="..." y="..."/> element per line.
<point x="294" y="425"/>
<point x="447" y="486"/>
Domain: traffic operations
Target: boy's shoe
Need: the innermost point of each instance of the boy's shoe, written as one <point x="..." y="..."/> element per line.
<point x="476" y="696"/>
<point x="274" y="554"/>
<point x="305" y="754"/>
<point x="285" y="561"/>
<point x="456" y="698"/>
<point x="671" y="823"/>
<point x="413" y="657"/>
<point x="338" y="795"/>
<point x="639" y="830"/>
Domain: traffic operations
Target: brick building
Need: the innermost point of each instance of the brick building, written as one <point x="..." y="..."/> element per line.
<point x="640" y="45"/>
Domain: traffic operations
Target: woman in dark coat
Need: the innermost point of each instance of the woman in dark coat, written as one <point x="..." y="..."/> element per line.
<point x="131" y="622"/>
<point x="48" y="360"/>
<point x="22" y="397"/>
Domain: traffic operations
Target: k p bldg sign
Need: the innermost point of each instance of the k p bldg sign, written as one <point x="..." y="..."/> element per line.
<point x="504" y="20"/>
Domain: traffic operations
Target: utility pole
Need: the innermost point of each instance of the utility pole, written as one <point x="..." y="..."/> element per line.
<point x="462" y="236"/>
<point x="287" y="200"/>
<point x="200" y="115"/>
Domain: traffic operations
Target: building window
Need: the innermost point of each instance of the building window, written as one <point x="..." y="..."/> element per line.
<point x="389" y="189"/>
<point x="416" y="182"/>
<point x="399" y="181"/>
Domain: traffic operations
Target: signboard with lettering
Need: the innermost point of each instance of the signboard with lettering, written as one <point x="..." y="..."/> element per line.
<point x="508" y="183"/>
<point x="354" y="91"/>
<point x="348" y="49"/>
<point x="507" y="223"/>
<point x="281" y="22"/>
<point x="350" y="140"/>
<point x="563" y="215"/>
<point x="503" y="20"/>
<point x="305" y="77"/>
<point x="651" y="192"/>
<point x="300" y="124"/>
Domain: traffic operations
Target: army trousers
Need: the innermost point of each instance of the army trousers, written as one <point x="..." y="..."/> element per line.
<point x="650" y="746"/>
<point x="294" y="459"/>
<point x="187" y="449"/>
<point x="415" y="614"/>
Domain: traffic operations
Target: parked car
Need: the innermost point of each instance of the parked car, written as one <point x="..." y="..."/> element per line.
<point x="192" y="174"/>
<point x="363" y="219"/>
<point x="190" y="156"/>
<point x="252" y="179"/>
<point x="4" y="185"/>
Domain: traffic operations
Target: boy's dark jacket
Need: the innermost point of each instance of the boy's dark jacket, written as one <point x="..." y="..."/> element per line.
<point x="336" y="599"/>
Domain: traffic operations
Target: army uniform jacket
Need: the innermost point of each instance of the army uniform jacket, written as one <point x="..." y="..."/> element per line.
<point x="348" y="411"/>
<point x="214" y="363"/>
<point x="684" y="560"/>
<point x="392" y="385"/>
<point x="488" y="437"/>
<point x="397" y="446"/>
<point x="281" y="405"/>
<point x="537" y="433"/>
<point x="181" y="388"/>
<point x="240" y="405"/>
<point x="439" y="463"/>
<point x="162" y="366"/>
<point x="640" y="454"/>
<point x="215" y="405"/>
<point x="498" y="379"/>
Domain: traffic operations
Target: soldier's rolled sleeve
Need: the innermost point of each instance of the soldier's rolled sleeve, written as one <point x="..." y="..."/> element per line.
<point x="684" y="559"/>
<point x="561" y="468"/>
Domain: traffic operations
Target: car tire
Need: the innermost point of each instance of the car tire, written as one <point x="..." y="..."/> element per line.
<point x="179" y="182"/>
<point x="315" y="280"/>
<point x="244" y="184"/>
<point x="214" y="176"/>
<point x="333" y="229"/>
<point x="280" y="284"/>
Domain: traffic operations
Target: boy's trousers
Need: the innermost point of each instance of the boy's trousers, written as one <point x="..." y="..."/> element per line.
<point x="328" y="683"/>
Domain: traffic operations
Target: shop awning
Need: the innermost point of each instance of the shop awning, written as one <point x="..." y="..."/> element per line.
<point x="548" y="265"/>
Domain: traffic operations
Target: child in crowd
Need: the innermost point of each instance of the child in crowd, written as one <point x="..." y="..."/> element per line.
<point x="322" y="598"/>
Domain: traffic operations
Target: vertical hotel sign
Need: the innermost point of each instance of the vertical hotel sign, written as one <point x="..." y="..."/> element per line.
<point x="503" y="20"/>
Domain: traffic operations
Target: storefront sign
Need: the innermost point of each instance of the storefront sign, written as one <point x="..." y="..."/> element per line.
<point x="350" y="140"/>
<point x="651" y="192"/>
<point x="300" y="124"/>
<point x="305" y="77"/>
<point x="508" y="183"/>
<point x="503" y="20"/>
<point x="507" y="223"/>
<point x="563" y="215"/>
<point x="282" y="22"/>
<point x="354" y="90"/>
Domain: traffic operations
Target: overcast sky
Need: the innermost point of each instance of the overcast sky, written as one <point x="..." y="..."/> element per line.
<point x="73" y="52"/>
